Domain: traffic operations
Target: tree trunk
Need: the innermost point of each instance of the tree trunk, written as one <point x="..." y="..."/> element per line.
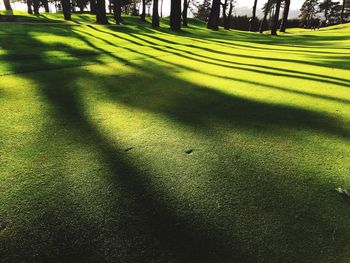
<point x="285" y="16"/>
<point x="253" y="20"/>
<point x="46" y="5"/>
<point x="342" y="12"/>
<point x="101" y="17"/>
<point x="117" y="12"/>
<point x="276" y="18"/>
<point x="36" y="7"/>
<point x="224" y="15"/>
<point x="161" y="8"/>
<point x="66" y="9"/>
<point x="184" y="13"/>
<point x="134" y="11"/>
<point x="229" y="18"/>
<point x="271" y="14"/>
<point x="93" y="7"/>
<point x="213" y="22"/>
<point x="175" y="15"/>
<point x="266" y="11"/>
<point x="143" y="14"/>
<point x="7" y="5"/>
<point x="155" y="15"/>
<point x="29" y="7"/>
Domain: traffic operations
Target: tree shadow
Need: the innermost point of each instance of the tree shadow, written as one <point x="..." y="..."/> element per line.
<point x="182" y="53"/>
<point x="150" y="226"/>
<point x="327" y="62"/>
<point x="150" y="229"/>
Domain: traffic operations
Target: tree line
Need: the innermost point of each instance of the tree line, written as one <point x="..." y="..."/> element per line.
<point x="334" y="12"/>
<point x="215" y="12"/>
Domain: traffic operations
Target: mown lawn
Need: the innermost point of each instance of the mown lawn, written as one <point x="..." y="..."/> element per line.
<point x="130" y="144"/>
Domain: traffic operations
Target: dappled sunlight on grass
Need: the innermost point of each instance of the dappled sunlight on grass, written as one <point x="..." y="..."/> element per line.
<point x="146" y="145"/>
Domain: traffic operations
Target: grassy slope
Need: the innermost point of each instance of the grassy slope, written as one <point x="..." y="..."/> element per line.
<point x="95" y="123"/>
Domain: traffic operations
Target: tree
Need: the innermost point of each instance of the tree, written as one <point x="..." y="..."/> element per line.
<point x="227" y="16"/>
<point x="202" y="10"/>
<point x="342" y="12"/>
<point x="325" y="6"/>
<point x="126" y="6"/>
<point x="213" y="22"/>
<point x="155" y="14"/>
<point x="224" y="14"/>
<point x="134" y="9"/>
<point x="93" y="6"/>
<point x="308" y="11"/>
<point x="175" y="15"/>
<point x="81" y="4"/>
<point x="184" y="12"/>
<point x="46" y="5"/>
<point x="7" y="5"/>
<point x="285" y="16"/>
<point x="143" y="14"/>
<point x="335" y="13"/>
<point x="117" y="11"/>
<point x="29" y="7"/>
<point x="276" y="18"/>
<point x="36" y="5"/>
<point x="101" y="17"/>
<point x="66" y="9"/>
<point x="148" y="7"/>
<point x="253" y="20"/>
<point x="266" y="11"/>
<point x="332" y="11"/>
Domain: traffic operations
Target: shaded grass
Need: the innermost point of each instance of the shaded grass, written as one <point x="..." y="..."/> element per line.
<point x="97" y="125"/>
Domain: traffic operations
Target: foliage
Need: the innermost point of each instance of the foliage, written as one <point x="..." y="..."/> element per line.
<point x="308" y="11"/>
<point x="331" y="11"/>
<point x="240" y="22"/>
<point x="270" y="7"/>
<point x="131" y="7"/>
<point x="201" y="10"/>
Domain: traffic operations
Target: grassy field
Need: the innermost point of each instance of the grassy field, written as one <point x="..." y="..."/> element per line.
<point x="130" y="144"/>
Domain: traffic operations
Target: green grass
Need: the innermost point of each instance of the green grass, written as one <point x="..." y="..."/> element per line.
<point x="130" y="144"/>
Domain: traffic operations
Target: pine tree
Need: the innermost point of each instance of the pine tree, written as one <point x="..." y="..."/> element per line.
<point x="203" y="11"/>
<point x="308" y="11"/>
<point x="285" y="16"/>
